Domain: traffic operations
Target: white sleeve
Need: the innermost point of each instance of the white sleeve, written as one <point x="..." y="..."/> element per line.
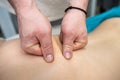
<point x="5" y="4"/>
<point x="53" y="9"/>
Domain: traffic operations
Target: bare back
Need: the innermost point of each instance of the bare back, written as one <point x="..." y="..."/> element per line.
<point x="100" y="60"/>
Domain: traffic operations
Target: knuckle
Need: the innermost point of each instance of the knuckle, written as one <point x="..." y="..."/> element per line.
<point x="66" y="30"/>
<point x="67" y="46"/>
<point x="43" y="34"/>
<point x="46" y="31"/>
<point x="84" y="44"/>
<point x="47" y="47"/>
<point x="24" y="46"/>
<point x="80" y="44"/>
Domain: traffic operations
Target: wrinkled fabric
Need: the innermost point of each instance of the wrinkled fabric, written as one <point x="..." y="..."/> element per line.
<point x="53" y="9"/>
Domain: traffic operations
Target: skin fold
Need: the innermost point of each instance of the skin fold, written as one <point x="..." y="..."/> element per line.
<point x="99" y="60"/>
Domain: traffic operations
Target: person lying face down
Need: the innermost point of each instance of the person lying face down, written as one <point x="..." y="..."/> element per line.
<point x="100" y="60"/>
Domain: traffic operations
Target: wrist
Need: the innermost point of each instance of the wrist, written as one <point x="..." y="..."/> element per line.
<point x="21" y="6"/>
<point x="77" y="8"/>
<point x="79" y="3"/>
<point x="77" y="14"/>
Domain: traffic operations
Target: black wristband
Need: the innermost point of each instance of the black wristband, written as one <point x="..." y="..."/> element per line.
<point x="71" y="7"/>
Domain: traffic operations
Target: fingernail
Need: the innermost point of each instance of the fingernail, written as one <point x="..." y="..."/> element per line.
<point x="68" y="55"/>
<point x="49" y="58"/>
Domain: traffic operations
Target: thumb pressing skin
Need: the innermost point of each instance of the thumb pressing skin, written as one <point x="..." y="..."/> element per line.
<point x="67" y="46"/>
<point x="47" y="48"/>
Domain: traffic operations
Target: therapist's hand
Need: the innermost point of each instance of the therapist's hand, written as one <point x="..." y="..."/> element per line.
<point x="35" y="33"/>
<point x="73" y="33"/>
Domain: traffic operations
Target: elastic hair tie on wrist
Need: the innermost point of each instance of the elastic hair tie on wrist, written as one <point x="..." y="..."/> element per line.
<point x="71" y="7"/>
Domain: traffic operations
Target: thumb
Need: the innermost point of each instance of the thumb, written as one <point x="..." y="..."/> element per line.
<point x="67" y="46"/>
<point x="47" y="48"/>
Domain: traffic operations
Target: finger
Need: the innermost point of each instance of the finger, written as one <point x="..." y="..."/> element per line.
<point x="47" y="47"/>
<point x="80" y="42"/>
<point x="32" y="48"/>
<point x="67" y="46"/>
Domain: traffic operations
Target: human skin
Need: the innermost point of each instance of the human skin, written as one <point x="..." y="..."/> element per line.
<point x="34" y="29"/>
<point x="1" y="42"/>
<point x="73" y="28"/>
<point x="100" y="60"/>
<point x="36" y="32"/>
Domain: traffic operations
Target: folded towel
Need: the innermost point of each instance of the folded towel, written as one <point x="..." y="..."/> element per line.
<point x="93" y="22"/>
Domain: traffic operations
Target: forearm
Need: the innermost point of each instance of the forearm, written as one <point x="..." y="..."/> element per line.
<point x="79" y="3"/>
<point x="22" y="5"/>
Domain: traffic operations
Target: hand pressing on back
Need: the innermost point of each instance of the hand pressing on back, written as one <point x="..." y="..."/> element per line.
<point x="73" y="32"/>
<point x="34" y="29"/>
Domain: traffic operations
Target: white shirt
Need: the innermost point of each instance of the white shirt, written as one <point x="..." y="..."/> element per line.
<point x="53" y="9"/>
